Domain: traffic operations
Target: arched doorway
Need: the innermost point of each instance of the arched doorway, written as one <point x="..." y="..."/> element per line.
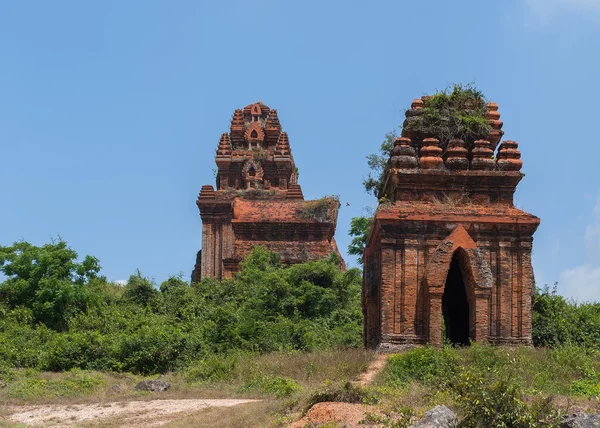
<point x="455" y="306"/>
<point x="458" y="283"/>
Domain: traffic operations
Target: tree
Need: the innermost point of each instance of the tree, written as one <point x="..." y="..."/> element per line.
<point x="360" y="226"/>
<point x="377" y="162"/>
<point x="359" y="230"/>
<point x="47" y="279"/>
<point x="140" y="290"/>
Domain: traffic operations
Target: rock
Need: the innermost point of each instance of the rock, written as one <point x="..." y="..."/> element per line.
<point x="116" y="388"/>
<point x="152" y="385"/>
<point x="438" y="417"/>
<point x="582" y="420"/>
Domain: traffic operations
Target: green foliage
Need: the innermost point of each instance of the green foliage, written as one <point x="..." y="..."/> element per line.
<point x="489" y="384"/>
<point x="403" y="417"/>
<point x="279" y="386"/>
<point x="494" y="399"/>
<point x="212" y="368"/>
<point x="359" y="230"/>
<point x="496" y="386"/>
<point x="377" y="161"/>
<point x="28" y="384"/>
<point x="145" y="329"/>
<point x="557" y="321"/>
<point x="456" y="112"/>
<point x="140" y="290"/>
<point x="426" y="364"/>
<point x="322" y="210"/>
<point x="588" y="386"/>
<point x="47" y="280"/>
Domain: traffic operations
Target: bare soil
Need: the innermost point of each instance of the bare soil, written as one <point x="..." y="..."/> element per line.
<point x="376" y="366"/>
<point x="134" y="414"/>
<point x="343" y="414"/>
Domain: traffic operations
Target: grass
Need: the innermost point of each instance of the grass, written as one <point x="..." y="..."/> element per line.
<point x="283" y="381"/>
<point x="455" y="112"/>
<point x="567" y="378"/>
<point x="288" y="383"/>
<point x="260" y="414"/>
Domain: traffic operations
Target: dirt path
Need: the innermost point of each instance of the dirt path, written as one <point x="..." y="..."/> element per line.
<point x="349" y="415"/>
<point x="138" y="414"/>
<point x="376" y="366"/>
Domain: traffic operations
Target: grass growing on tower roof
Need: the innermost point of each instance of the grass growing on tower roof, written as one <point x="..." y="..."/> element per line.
<point x="455" y="112"/>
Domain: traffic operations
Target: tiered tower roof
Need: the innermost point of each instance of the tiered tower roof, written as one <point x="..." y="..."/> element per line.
<point x="423" y="168"/>
<point x="254" y="158"/>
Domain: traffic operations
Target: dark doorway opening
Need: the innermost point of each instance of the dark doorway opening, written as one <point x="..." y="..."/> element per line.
<point x="455" y="306"/>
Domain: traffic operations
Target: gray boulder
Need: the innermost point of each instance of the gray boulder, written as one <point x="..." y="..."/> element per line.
<point x="582" y="420"/>
<point x="438" y="417"/>
<point x="153" y="385"/>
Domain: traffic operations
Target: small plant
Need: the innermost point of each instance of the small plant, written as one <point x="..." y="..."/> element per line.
<point x="322" y="210"/>
<point x="588" y="387"/>
<point x="495" y="399"/>
<point x="29" y="384"/>
<point x="277" y="385"/>
<point x="401" y="418"/>
<point x="425" y="364"/>
<point x="213" y="368"/>
<point x="457" y="112"/>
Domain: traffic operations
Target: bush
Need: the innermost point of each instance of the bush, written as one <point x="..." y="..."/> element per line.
<point x="30" y="384"/>
<point x="142" y="329"/>
<point x="425" y="364"/>
<point x="212" y="368"/>
<point x="557" y="321"/>
<point x="277" y="385"/>
<point x="458" y="112"/>
<point x="493" y="399"/>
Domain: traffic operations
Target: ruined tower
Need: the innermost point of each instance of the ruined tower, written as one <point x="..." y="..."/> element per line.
<point x="258" y="200"/>
<point x="449" y="256"/>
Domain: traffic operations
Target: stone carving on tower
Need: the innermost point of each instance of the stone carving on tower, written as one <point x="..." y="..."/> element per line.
<point x="449" y="256"/>
<point x="258" y="200"/>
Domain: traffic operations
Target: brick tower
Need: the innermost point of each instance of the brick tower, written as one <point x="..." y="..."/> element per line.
<point x="258" y="200"/>
<point x="450" y="255"/>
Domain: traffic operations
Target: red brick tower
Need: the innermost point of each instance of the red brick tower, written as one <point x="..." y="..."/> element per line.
<point x="450" y="255"/>
<point x="258" y="200"/>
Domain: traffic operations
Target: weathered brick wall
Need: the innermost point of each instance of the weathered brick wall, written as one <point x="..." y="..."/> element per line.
<point x="449" y="202"/>
<point x="501" y="307"/>
<point x="258" y="200"/>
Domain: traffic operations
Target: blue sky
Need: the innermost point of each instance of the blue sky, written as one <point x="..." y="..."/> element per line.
<point x="110" y="112"/>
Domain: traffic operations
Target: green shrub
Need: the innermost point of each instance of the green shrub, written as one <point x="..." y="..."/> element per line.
<point x="140" y="329"/>
<point x="458" y="112"/>
<point x="211" y="368"/>
<point x="494" y="399"/>
<point x="589" y="387"/>
<point x="30" y="384"/>
<point x="558" y="321"/>
<point x="424" y="364"/>
<point x="277" y="385"/>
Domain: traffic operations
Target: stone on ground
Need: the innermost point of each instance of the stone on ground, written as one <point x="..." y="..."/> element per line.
<point x="438" y="417"/>
<point x="582" y="420"/>
<point x="153" y="385"/>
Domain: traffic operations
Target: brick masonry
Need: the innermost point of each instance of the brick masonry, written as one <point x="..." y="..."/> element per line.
<point x="258" y="200"/>
<point x="450" y="203"/>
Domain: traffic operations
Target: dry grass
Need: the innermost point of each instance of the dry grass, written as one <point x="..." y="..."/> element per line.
<point x="308" y="370"/>
<point x="260" y="414"/>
